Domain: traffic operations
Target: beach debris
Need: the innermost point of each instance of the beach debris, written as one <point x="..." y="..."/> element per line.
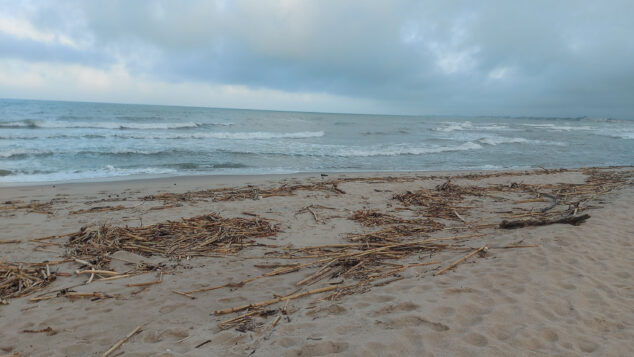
<point x="243" y="193"/>
<point x="21" y="279"/>
<point x="372" y="218"/>
<point x="574" y="220"/>
<point x="32" y="207"/>
<point x="13" y="241"/>
<point x="74" y="295"/>
<point x="121" y="342"/>
<point x="364" y="261"/>
<point x="553" y="205"/>
<point x="48" y="331"/>
<point x="98" y="209"/>
<point x="440" y="202"/>
<point x="202" y="343"/>
<point x="396" y="232"/>
<point x="186" y="238"/>
<point x="482" y="249"/>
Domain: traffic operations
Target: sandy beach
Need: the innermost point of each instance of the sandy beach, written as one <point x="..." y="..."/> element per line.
<point x="372" y="264"/>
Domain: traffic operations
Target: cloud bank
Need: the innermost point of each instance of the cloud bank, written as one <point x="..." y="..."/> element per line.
<point x="540" y="58"/>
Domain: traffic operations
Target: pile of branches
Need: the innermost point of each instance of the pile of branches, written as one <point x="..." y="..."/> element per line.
<point x="565" y="199"/>
<point x="441" y="201"/>
<point x="188" y="237"/>
<point x="20" y="279"/>
<point x="395" y="233"/>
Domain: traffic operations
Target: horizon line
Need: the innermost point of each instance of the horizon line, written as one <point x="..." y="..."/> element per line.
<point x="315" y="112"/>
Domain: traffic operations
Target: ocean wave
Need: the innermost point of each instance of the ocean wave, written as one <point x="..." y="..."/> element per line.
<point x="622" y="135"/>
<point x="55" y="136"/>
<point x="355" y="151"/>
<point x="202" y="167"/>
<point x="468" y="126"/>
<point x="497" y="140"/>
<point x="379" y="133"/>
<point x="17" y="154"/>
<point x="129" y="152"/>
<point x="502" y="140"/>
<point x="404" y="150"/>
<point x="69" y="175"/>
<point x="454" y="126"/>
<point x="241" y="135"/>
<point x="260" y="135"/>
<point x="51" y="124"/>
<point x="555" y="127"/>
<point x="617" y="133"/>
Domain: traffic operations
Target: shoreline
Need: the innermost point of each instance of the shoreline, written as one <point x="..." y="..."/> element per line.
<point x="405" y="263"/>
<point x="222" y="177"/>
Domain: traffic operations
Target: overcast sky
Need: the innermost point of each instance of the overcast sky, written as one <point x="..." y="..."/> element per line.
<point x="539" y="58"/>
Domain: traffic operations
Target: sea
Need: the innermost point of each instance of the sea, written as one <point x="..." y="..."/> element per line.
<point x="54" y="141"/>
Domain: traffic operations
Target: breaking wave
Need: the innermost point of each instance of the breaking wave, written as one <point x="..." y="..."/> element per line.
<point x="497" y="140"/>
<point x="468" y="126"/>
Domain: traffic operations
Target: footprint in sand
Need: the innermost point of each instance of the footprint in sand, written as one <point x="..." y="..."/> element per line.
<point x="406" y="306"/>
<point x="549" y="335"/>
<point x="169" y="308"/>
<point x="476" y="339"/>
<point x="444" y="311"/>
<point x="233" y="299"/>
<point x="412" y="321"/>
<point x="587" y="346"/>
<point x="287" y="341"/>
<point x="325" y="311"/>
<point x="319" y="349"/>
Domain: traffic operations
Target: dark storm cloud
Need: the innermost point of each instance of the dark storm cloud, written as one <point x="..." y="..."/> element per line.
<point x="461" y="57"/>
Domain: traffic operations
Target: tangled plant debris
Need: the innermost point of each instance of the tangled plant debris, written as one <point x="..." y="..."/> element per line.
<point x="365" y="260"/>
<point x="186" y="238"/>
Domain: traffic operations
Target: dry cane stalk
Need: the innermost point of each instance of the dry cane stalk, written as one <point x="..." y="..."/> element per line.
<point x="116" y="345"/>
<point x="276" y="300"/>
<point x="462" y="259"/>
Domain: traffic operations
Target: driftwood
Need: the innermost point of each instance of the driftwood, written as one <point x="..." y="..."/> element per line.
<point x="574" y="220"/>
<point x="98" y="209"/>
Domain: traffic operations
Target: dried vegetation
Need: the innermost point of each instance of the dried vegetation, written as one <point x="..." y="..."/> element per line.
<point x="365" y="260"/>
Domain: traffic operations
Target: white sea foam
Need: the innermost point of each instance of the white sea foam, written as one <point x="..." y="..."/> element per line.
<point x="497" y="140"/>
<point x="469" y="126"/>
<point x="68" y="175"/>
<point x="397" y="150"/>
<point x="454" y="126"/>
<point x="555" y="127"/>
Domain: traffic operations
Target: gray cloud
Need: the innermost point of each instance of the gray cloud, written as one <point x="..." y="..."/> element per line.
<point x="563" y="58"/>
